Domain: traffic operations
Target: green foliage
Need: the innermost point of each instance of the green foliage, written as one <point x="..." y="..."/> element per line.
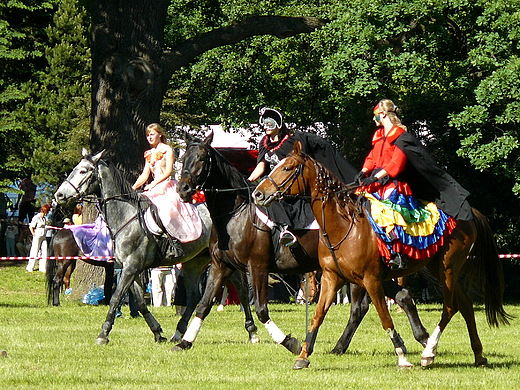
<point x="22" y="47"/>
<point x="50" y="121"/>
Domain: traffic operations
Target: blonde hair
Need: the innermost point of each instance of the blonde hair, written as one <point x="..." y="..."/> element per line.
<point x="158" y="129"/>
<point x="388" y="107"/>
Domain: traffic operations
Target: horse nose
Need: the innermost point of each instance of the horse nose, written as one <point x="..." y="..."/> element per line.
<point x="258" y="196"/>
<point x="59" y="196"/>
<point x="184" y="188"/>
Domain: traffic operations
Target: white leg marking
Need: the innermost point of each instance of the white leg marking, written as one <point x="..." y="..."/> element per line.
<point x="193" y="330"/>
<point x="275" y="332"/>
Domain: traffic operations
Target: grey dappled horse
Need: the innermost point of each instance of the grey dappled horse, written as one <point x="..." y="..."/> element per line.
<point x="134" y="246"/>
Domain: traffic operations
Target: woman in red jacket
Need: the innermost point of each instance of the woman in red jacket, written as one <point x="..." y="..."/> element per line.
<point x="406" y="226"/>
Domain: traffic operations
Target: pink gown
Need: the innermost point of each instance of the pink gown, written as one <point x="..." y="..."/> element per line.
<point x="180" y="219"/>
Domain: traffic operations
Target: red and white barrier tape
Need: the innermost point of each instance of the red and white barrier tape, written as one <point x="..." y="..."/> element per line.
<point x="509" y="256"/>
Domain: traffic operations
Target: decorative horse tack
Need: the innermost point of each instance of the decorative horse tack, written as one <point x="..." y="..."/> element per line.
<point x="249" y="246"/>
<point x="358" y="260"/>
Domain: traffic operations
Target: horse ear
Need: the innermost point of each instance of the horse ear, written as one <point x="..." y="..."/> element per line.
<point x="98" y="156"/>
<point x="209" y="138"/>
<point x="84" y="152"/>
<point x="187" y="138"/>
<point x="297" y="148"/>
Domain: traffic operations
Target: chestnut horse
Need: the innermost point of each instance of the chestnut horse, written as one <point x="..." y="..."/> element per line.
<point x="245" y="243"/>
<point x="348" y="252"/>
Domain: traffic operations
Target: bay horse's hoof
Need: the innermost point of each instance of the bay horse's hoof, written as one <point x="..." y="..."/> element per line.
<point x="427" y="361"/>
<point x="337" y="351"/>
<point x="301" y="363"/>
<point x="160" y="339"/>
<point x="101" y="341"/>
<point x="182" y="346"/>
<point x="482" y="362"/>
<point x="292" y="344"/>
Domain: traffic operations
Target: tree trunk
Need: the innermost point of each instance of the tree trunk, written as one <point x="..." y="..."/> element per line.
<point x="131" y="70"/>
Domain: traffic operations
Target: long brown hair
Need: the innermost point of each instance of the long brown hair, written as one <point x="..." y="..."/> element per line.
<point x="157" y="127"/>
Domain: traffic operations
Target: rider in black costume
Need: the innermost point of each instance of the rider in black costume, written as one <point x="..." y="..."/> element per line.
<point x="274" y="146"/>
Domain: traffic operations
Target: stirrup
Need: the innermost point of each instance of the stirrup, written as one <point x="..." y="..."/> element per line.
<point x="397" y="262"/>
<point x="287" y="238"/>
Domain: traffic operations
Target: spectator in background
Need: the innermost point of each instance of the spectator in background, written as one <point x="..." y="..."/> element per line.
<point x="25" y="202"/>
<point x="163" y="285"/>
<point x="37" y="227"/>
<point x="77" y="217"/>
<point x="10" y="237"/>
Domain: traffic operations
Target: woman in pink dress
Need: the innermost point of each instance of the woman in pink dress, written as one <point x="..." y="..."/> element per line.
<point x="180" y="219"/>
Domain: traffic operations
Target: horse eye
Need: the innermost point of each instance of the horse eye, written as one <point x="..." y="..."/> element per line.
<point x="287" y="169"/>
<point x="83" y="171"/>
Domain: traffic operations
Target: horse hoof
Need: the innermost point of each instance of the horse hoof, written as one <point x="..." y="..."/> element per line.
<point x="482" y="362"/>
<point x="337" y="351"/>
<point x="254" y="339"/>
<point x="301" y="363"/>
<point x="427" y="361"/>
<point x="161" y="339"/>
<point x="182" y="346"/>
<point x="101" y="341"/>
<point x="292" y="344"/>
<point x="405" y="365"/>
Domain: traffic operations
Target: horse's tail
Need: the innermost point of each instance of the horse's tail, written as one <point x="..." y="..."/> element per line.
<point x="485" y="267"/>
<point x="51" y="270"/>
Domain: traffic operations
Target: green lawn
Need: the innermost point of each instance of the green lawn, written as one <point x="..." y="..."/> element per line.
<point x="53" y="348"/>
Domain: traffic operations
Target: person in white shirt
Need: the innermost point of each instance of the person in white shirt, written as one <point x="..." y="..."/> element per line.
<point x="37" y="228"/>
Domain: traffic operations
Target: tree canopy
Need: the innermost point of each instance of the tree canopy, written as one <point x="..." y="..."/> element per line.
<point x="451" y="67"/>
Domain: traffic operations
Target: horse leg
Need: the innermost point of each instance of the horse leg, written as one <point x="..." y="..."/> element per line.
<point x="449" y="309"/>
<point x="192" y="271"/>
<point x="239" y="280"/>
<point x="330" y="284"/>
<point x="153" y="324"/>
<point x="70" y="269"/>
<point x="403" y="298"/>
<point x="128" y="275"/>
<point x="358" y="309"/>
<point x="375" y="290"/>
<point x="259" y="283"/>
<point x="218" y="274"/>
<point x="465" y="306"/>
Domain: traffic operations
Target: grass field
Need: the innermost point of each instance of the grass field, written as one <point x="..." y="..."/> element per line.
<point x="53" y="348"/>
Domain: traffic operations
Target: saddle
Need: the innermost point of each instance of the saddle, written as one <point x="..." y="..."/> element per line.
<point x="169" y="247"/>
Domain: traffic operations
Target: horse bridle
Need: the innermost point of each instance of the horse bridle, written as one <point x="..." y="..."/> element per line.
<point x="92" y="171"/>
<point x="206" y="169"/>
<point x="283" y="187"/>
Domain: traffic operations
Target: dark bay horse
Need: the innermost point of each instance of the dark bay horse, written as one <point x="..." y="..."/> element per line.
<point x="348" y="252"/>
<point x="134" y="246"/>
<point x="59" y="271"/>
<point x="244" y="243"/>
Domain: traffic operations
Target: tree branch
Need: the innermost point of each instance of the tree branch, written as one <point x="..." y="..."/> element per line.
<point x="278" y="26"/>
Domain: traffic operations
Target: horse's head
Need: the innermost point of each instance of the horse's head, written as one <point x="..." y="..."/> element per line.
<point x="285" y="179"/>
<point x="82" y="180"/>
<point x="195" y="167"/>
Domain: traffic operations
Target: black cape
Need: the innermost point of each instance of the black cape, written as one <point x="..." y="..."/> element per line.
<point x="296" y="213"/>
<point x="430" y="182"/>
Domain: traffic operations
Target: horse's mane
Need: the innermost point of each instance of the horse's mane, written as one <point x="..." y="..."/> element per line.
<point x="120" y="182"/>
<point x="331" y="186"/>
